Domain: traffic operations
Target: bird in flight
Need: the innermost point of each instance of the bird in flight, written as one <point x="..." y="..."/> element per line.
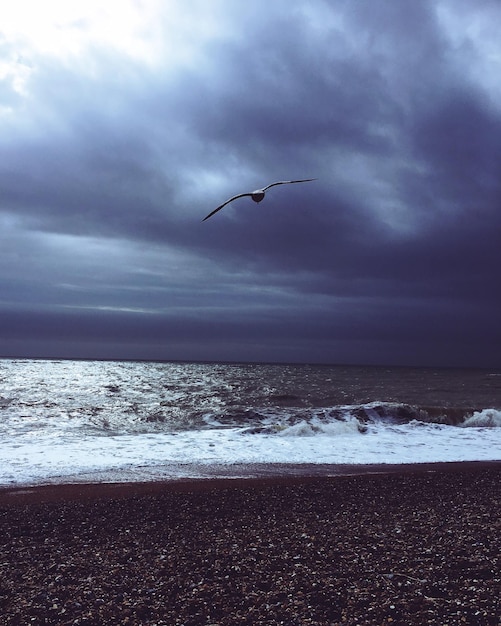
<point x="258" y="194"/>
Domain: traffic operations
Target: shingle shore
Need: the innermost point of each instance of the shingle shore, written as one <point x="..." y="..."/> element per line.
<point x="410" y="548"/>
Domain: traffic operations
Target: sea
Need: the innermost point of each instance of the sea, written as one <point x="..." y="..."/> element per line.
<point x="64" y="421"/>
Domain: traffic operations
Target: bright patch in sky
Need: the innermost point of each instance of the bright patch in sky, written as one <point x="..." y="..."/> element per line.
<point x="474" y="35"/>
<point x="62" y="28"/>
<point x="150" y="32"/>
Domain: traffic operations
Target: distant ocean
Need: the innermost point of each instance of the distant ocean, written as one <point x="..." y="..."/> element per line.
<point x="70" y="421"/>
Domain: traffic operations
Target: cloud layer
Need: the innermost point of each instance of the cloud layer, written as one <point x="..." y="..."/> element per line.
<point x="121" y="130"/>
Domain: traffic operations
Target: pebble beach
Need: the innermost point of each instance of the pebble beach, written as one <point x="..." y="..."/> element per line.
<point x="415" y="546"/>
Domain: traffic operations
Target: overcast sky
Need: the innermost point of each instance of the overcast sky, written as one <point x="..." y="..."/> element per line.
<point x="124" y="123"/>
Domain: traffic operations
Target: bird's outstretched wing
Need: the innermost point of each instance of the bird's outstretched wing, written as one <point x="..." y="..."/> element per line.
<point x="240" y="195"/>
<point x="289" y="182"/>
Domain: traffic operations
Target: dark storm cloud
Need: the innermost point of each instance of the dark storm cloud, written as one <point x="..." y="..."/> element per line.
<point x="393" y="255"/>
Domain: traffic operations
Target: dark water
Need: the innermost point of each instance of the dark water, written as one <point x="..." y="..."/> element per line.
<point x="332" y="385"/>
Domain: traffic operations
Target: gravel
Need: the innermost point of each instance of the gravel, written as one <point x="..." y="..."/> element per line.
<point x="410" y="548"/>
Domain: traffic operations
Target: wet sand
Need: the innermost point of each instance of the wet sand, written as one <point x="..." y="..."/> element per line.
<point x="413" y="545"/>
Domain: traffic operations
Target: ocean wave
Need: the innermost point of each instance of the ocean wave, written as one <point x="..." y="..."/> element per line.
<point x="308" y="427"/>
<point x="396" y="413"/>
<point x="488" y="418"/>
<point x="363" y="418"/>
<point x="289" y="421"/>
<point x="114" y="412"/>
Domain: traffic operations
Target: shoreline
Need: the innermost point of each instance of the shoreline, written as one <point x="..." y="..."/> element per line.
<point x="219" y="477"/>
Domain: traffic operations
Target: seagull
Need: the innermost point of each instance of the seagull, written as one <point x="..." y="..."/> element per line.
<point x="258" y="194"/>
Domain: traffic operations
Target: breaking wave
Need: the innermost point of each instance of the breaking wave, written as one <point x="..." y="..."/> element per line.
<point x="361" y="418"/>
<point x="488" y="418"/>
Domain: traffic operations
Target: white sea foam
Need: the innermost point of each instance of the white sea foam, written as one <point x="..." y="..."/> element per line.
<point x="39" y="457"/>
<point x="488" y="418"/>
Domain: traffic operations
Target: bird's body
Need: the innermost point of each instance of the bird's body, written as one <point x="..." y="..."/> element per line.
<point x="257" y="195"/>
